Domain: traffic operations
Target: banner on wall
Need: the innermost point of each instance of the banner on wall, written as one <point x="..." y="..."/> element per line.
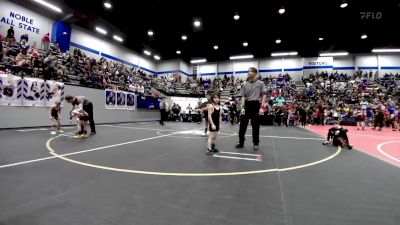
<point x="110" y="99"/>
<point x="10" y="90"/>
<point x="34" y="92"/>
<point x="314" y="63"/>
<point x="54" y="92"/>
<point x="24" y="21"/>
<point x="148" y="102"/>
<point x="130" y="101"/>
<point x="121" y="100"/>
<point x="15" y="91"/>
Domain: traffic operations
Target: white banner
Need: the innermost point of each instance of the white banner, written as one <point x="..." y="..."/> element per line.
<point x="34" y="92"/>
<point x="314" y="63"/>
<point x="11" y="90"/>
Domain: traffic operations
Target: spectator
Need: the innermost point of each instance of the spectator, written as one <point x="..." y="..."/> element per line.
<point x="23" y="59"/>
<point x="10" y="34"/>
<point x="46" y="42"/>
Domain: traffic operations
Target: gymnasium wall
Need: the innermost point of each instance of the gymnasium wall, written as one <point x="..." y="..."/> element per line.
<point x="389" y="63"/>
<point x="24" y="21"/>
<point x="97" y="47"/>
<point x="168" y="66"/>
<point x="209" y="70"/>
<point x="174" y="66"/>
<point x="13" y="117"/>
<point x="366" y="62"/>
<point x="185" y="68"/>
<point x="270" y="67"/>
<point x="344" y="64"/>
<point x="297" y="66"/>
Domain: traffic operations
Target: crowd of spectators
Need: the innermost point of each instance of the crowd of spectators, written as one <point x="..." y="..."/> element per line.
<point x="324" y="97"/>
<point x="327" y="98"/>
<point x="49" y="63"/>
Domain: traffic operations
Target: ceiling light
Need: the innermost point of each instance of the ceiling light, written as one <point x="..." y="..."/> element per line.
<point x="282" y="10"/>
<point x="245" y="44"/>
<point x="278" y="41"/>
<point x="198" y="61"/>
<point x="147" y="52"/>
<point x="107" y="5"/>
<point x="150" y="33"/>
<point x="241" y="57"/>
<point x="118" y="38"/>
<point x="197" y="23"/>
<point x="386" y="50"/>
<point x="101" y="30"/>
<point x="178" y="52"/>
<point x="236" y="16"/>
<point x="364" y="36"/>
<point x="343" y="5"/>
<point x="320" y="39"/>
<point x="215" y="47"/>
<point x="184" y="37"/>
<point x="334" y="54"/>
<point x="156" y="57"/>
<point x="48" y="5"/>
<point x="283" y="53"/>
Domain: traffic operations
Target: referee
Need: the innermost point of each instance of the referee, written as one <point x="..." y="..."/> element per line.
<point x="251" y="108"/>
<point x="84" y="104"/>
<point x="163" y="110"/>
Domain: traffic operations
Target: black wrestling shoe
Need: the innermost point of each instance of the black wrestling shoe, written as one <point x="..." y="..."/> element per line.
<point x="255" y="147"/>
<point x="209" y="151"/>
<point x="239" y="145"/>
<point x="214" y="150"/>
<point x="350" y="147"/>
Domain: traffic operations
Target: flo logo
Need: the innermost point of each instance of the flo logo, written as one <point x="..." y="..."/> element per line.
<point x="371" y="15"/>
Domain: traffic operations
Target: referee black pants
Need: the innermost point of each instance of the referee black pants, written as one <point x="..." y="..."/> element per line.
<point x="163" y="113"/>
<point x="251" y="113"/>
<point x="89" y="109"/>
